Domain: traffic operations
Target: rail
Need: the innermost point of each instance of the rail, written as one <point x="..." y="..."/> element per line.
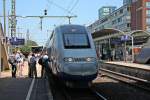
<point x="138" y="82"/>
<point x="99" y="95"/>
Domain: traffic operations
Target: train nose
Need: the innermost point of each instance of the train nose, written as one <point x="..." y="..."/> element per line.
<point x="81" y="69"/>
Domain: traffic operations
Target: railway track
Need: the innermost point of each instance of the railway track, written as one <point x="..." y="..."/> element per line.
<point x="100" y="95"/>
<point x="82" y="94"/>
<point x="61" y="92"/>
<point x="130" y="80"/>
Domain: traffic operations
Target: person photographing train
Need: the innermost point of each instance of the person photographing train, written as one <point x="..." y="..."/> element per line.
<point x="33" y="66"/>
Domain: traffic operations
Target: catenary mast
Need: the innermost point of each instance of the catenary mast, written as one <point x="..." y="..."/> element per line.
<point x="13" y="18"/>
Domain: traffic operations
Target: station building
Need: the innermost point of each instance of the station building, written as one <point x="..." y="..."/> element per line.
<point x="3" y="51"/>
<point x="115" y="30"/>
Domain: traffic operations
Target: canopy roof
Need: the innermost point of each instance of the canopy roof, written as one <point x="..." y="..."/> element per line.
<point x="104" y="32"/>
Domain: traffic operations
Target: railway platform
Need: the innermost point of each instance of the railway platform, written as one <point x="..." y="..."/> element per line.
<point x="24" y="88"/>
<point x="128" y="68"/>
<point x="129" y="64"/>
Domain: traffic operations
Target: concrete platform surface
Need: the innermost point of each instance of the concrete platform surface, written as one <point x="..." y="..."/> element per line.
<point x="24" y="88"/>
<point x="129" y="64"/>
<point x="7" y="73"/>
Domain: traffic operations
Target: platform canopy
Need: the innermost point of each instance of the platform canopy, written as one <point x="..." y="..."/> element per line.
<point x="140" y="36"/>
<point x="105" y="32"/>
<point x="137" y="33"/>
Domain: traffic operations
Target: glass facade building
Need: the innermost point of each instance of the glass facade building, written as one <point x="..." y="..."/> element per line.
<point x="133" y="16"/>
<point x="127" y="2"/>
<point x="118" y="19"/>
<point x="105" y="10"/>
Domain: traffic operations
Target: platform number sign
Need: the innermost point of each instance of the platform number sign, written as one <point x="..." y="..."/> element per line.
<point x="125" y="38"/>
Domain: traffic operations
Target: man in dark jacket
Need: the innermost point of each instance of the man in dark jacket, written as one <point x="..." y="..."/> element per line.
<point x="43" y="61"/>
<point x="33" y="66"/>
<point x="40" y="61"/>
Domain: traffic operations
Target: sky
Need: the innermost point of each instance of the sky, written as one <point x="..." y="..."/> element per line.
<point x="85" y="10"/>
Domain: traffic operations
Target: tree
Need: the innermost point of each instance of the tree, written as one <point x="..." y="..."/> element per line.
<point x="27" y="48"/>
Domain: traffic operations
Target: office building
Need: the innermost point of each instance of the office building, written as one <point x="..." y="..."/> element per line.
<point x="105" y="10"/>
<point x="118" y="19"/>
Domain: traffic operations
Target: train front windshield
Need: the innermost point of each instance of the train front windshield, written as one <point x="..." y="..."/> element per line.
<point x="76" y="40"/>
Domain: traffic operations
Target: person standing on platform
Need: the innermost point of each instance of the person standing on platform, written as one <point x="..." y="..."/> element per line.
<point x="33" y="66"/>
<point x="13" y="63"/>
<point x="21" y="64"/>
<point x="46" y="61"/>
<point x="40" y="61"/>
<point x="29" y="67"/>
<point x="18" y="59"/>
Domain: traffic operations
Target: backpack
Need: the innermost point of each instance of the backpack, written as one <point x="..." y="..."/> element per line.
<point x="40" y="61"/>
<point x="32" y="60"/>
<point x="10" y="61"/>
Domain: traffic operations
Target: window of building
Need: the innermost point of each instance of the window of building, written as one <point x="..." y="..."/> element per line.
<point x="148" y="28"/>
<point x="148" y="4"/>
<point x="121" y="11"/>
<point x="128" y="8"/>
<point x="148" y="21"/>
<point x="105" y="13"/>
<point x="148" y="12"/>
<point x="119" y="19"/>
<point x="128" y="17"/>
<point x="128" y="25"/>
<point x="113" y="22"/>
<point x="106" y="10"/>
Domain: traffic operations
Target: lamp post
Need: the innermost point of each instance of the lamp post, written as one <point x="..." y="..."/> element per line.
<point x="132" y="43"/>
<point x="0" y="54"/>
<point x="132" y="48"/>
<point x="4" y="13"/>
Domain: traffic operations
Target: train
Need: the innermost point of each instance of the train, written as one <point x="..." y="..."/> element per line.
<point x="73" y="55"/>
<point x="144" y="55"/>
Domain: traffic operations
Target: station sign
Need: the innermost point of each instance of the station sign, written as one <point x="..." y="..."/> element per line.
<point x="16" y="41"/>
<point x="125" y="38"/>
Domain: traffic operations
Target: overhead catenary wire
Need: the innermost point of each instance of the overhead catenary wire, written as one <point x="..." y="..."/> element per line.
<point x="49" y="5"/>
<point x="74" y="5"/>
<point x="69" y="8"/>
<point x="66" y="10"/>
<point x="62" y="21"/>
<point x="70" y="3"/>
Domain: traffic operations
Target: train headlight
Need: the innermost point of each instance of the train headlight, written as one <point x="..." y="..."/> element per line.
<point x="69" y="59"/>
<point x="89" y="59"/>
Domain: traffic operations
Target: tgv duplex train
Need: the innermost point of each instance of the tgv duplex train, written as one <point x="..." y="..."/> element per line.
<point x="73" y="54"/>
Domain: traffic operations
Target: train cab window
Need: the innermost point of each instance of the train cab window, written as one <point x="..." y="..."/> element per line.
<point x="76" y="40"/>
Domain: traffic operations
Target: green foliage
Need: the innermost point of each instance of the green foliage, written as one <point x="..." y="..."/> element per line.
<point x="26" y="49"/>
